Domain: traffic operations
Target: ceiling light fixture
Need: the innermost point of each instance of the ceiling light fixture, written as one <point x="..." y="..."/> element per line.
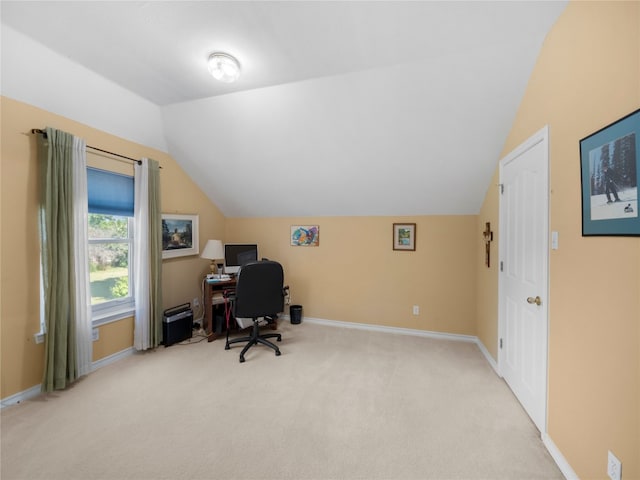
<point x="224" y="67"/>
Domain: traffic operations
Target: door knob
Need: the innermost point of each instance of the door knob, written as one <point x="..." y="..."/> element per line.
<point x="536" y="300"/>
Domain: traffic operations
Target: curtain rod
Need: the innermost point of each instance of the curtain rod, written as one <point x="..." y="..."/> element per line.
<point x="139" y="162"/>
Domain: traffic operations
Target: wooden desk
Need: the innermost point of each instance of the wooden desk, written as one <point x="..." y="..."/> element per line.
<point x="212" y="289"/>
<point x="215" y="289"/>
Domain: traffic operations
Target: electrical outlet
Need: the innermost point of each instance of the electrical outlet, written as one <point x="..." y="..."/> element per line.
<point x="95" y="334"/>
<point x="196" y="302"/>
<point x="614" y="467"/>
<point x="416" y="310"/>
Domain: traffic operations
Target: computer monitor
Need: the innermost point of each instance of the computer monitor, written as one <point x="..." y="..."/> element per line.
<point x="237" y="254"/>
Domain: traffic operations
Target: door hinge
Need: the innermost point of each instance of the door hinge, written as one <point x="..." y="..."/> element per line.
<point x="501" y="185"/>
<point x="500" y="343"/>
<point x="501" y="266"/>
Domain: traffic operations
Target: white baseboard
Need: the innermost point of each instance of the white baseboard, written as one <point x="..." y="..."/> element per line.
<point x="406" y="331"/>
<point x="20" y="396"/>
<point x="35" y="390"/>
<point x="385" y="329"/>
<point x="562" y="463"/>
<point x="488" y="356"/>
<point x="112" y="358"/>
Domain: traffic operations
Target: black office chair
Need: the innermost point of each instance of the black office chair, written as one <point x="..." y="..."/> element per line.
<point x="259" y="293"/>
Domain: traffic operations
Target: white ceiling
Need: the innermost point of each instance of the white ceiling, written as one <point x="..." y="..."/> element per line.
<point x="342" y="108"/>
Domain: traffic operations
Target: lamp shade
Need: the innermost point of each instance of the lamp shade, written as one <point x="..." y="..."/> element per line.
<point x="224" y="67"/>
<point x="213" y="250"/>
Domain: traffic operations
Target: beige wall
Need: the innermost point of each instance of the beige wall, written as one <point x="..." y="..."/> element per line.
<point x="487" y="277"/>
<point x="587" y="76"/>
<point x="356" y="276"/>
<point x="19" y="308"/>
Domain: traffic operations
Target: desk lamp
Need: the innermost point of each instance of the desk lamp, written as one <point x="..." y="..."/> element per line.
<point x="213" y="251"/>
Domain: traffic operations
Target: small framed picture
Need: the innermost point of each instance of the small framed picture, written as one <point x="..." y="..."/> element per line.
<point x="610" y="169"/>
<point x="179" y="235"/>
<point x="305" y="235"/>
<point x="404" y="236"/>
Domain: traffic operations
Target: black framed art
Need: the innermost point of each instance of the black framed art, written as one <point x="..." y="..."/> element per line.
<point x="609" y="175"/>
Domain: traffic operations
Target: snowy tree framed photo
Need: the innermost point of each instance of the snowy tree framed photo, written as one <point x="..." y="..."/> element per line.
<point x="609" y="166"/>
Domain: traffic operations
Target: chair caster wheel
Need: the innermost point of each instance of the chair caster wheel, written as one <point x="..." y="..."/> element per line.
<point x="278" y="353"/>
<point x="227" y="347"/>
<point x="279" y="339"/>
<point x="241" y="359"/>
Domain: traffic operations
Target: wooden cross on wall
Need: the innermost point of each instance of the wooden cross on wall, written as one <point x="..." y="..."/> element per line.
<point x="488" y="238"/>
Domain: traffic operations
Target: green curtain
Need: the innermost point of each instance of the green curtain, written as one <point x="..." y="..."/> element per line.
<point x="55" y="158"/>
<point x="155" y="250"/>
<point x="147" y="256"/>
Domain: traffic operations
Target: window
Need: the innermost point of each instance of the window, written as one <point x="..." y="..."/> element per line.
<point x="110" y="248"/>
<point x="110" y="197"/>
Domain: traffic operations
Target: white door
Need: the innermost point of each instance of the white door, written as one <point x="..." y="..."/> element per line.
<point x="523" y="288"/>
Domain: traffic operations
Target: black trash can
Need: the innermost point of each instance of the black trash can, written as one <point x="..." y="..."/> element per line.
<point x="295" y="313"/>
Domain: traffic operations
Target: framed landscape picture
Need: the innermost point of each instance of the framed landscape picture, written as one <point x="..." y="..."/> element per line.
<point x="179" y="235"/>
<point x="609" y="166"/>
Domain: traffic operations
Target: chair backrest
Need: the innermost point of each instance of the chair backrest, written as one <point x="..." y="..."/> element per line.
<point x="259" y="290"/>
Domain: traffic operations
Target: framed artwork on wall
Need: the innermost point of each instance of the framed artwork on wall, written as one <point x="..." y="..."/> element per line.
<point x="179" y="235"/>
<point x="404" y="236"/>
<point x="305" y="235"/>
<point x="609" y="166"/>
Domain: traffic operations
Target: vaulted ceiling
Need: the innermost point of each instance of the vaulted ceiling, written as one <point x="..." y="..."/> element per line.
<point x="342" y="107"/>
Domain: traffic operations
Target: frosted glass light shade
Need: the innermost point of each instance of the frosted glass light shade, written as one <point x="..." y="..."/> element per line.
<point x="224" y="67"/>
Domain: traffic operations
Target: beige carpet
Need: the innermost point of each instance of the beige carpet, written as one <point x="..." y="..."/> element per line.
<point x="339" y="403"/>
